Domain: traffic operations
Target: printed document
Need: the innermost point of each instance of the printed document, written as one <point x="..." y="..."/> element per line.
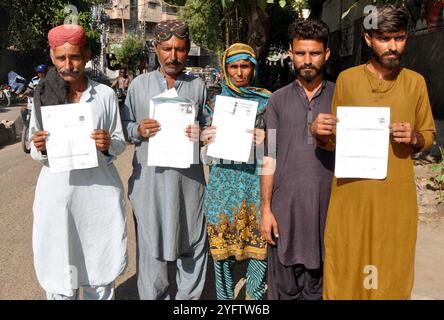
<point x="362" y="142"/>
<point x="170" y="147"/>
<point x="233" y="118"/>
<point x="69" y="144"/>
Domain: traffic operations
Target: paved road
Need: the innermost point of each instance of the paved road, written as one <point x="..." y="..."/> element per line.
<point x="11" y="112"/>
<point x="18" y="176"/>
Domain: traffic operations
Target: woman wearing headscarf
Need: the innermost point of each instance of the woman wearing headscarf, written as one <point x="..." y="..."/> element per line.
<point x="232" y="198"/>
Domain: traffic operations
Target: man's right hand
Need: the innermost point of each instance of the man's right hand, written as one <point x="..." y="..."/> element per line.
<point x="323" y="125"/>
<point x="39" y="139"/>
<point x="148" y="128"/>
<point x="268" y="225"/>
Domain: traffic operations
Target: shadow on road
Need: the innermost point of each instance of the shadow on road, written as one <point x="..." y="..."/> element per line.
<point x="128" y="289"/>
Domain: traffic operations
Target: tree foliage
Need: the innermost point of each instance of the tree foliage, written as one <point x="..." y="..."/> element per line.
<point x="130" y="53"/>
<point x="215" y="24"/>
<point x="30" y="20"/>
<point x="204" y="20"/>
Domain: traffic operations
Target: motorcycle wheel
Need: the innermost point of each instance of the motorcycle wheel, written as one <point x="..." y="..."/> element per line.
<point x="4" y="102"/>
<point x="26" y="144"/>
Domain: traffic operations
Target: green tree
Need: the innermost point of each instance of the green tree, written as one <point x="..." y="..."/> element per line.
<point x="203" y="18"/>
<point x="30" y="20"/>
<point x="130" y="53"/>
<point x="215" y="24"/>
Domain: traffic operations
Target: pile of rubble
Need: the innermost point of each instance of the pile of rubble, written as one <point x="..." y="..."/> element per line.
<point x="431" y="211"/>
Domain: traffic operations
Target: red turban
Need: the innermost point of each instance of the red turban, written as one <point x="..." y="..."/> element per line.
<point x="72" y="33"/>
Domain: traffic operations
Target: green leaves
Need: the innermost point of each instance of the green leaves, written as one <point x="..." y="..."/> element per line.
<point x="226" y="4"/>
<point x="262" y="4"/>
<point x="130" y="53"/>
<point x="206" y="21"/>
<point x="30" y="20"/>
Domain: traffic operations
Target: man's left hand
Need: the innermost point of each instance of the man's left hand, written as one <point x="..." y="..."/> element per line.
<point x="258" y="136"/>
<point x="403" y="133"/>
<point x="193" y="132"/>
<point x="102" y="138"/>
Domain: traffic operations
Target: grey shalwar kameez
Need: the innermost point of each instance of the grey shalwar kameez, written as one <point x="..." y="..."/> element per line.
<point x="79" y="232"/>
<point x="167" y="202"/>
<point x="301" y="191"/>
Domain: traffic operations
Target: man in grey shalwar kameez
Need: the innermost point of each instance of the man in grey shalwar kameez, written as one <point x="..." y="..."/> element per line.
<point x="79" y="232"/>
<point x="167" y="202"/>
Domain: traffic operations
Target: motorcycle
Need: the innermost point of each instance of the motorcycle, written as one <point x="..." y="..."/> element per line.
<point x="12" y="92"/>
<point x="26" y="139"/>
<point x="5" y="95"/>
<point x="121" y="96"/>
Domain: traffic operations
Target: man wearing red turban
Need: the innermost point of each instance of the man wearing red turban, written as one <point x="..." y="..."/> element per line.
<point x="79" y="231"/>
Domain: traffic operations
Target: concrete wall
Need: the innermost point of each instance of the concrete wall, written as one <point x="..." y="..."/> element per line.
<point x="115" y="12"/>
<point x="150" y="12"/>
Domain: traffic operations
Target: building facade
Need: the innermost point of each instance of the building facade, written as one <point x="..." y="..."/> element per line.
<point x="139" y="17"/>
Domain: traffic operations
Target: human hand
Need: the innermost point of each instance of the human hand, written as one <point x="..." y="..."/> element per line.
<point x="192" y="132"/>
<point x="268" y="225"/>
<point x="323" y="125"/>
<point x="403" y="133"/>
<point x="39" y="139"/>
<point x="258" y="135"/>
<point x="102" y="138"/>
<point x="148" y="128"/>
<point x="208" y="135"/>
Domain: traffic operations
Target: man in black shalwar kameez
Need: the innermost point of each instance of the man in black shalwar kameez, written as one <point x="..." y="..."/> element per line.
<point x="294" y="198"/>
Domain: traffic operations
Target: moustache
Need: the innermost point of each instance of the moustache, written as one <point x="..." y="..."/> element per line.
<point x="308" y="66"/>
<point x="173" y="63"/>
<point x="65" y="72"/>
<point x="389" y="53"/>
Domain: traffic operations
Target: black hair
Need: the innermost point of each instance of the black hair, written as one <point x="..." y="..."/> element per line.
<point x="387" y="18"/>
<point x="309" y="29"/>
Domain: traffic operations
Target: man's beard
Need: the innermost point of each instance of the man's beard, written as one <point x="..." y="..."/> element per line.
<point x="309" y="77"/>
<point x="388" y="63"/>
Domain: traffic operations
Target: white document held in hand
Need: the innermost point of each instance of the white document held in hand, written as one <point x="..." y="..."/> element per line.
<point x="170" y="147"/>
<point x="69" y="144"/>
<point x="233" y="118"/>
<point x="362" y="142"/>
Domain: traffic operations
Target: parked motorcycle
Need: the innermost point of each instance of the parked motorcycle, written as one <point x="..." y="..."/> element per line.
<point x="12" y="92"/>
<point x="121" y="96"/>
<point x="5" y="95"/>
